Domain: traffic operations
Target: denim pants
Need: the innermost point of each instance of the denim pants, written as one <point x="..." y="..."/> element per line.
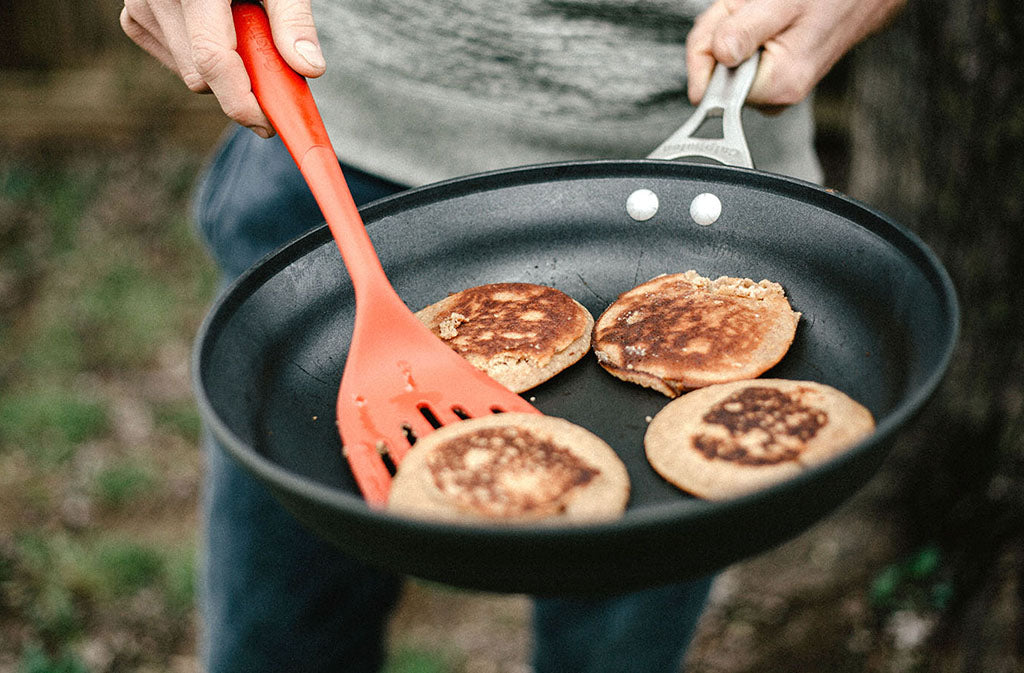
<point x="273" y="597"/>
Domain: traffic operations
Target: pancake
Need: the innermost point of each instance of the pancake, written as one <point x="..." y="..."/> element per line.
<point x="519" y="333"/>
<point x="511" y="468"/>
<point x="683" y="331"/>
<point x="732" y="438"/>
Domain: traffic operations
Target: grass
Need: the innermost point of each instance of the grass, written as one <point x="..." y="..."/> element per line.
<point x="122" y="483"/>
<point x="102" y="285"/>
<point x="416" y="660"/>
<point x="36" y="660"/>
<point x="48" y="421"/>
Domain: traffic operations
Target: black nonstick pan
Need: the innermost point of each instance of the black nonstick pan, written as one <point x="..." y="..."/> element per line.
<point x="879" y="322"/>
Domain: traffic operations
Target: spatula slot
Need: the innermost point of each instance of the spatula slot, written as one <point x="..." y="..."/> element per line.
<point x="389" y="463"/>
<point x="461" y="413"/>
<point x="409" y="435"/>
<point x="429" y="415"/>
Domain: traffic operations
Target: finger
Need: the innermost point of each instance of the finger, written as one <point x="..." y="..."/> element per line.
<point x="149" y="37"/>
<point x="699" y="60"/>
<point x="171" y="19"/>
<point x="790" y="67"/>
<point x="699" y="67"/>
<point x="212" y="42"/>
<point x="749" y="26"/>
<point x="291" y="24"/>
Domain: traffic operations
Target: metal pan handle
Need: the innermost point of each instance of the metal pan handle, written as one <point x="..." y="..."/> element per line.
<point x="725" y="95"/>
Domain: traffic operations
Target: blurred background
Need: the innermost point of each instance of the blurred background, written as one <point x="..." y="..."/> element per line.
<point x="103" y="284"/>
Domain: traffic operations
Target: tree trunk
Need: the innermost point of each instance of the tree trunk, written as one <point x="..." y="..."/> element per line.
<point x="45" y="34"/>
<point x="937" y="138"/>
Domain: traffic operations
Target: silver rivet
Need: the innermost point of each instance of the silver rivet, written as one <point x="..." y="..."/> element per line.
<point x="705" y="209"/>
<point x="642" y="205"/>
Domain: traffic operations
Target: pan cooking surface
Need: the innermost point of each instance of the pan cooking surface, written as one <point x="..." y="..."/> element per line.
<point x="878" y="322"/>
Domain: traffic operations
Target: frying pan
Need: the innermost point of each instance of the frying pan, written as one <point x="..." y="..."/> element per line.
<point x="879" y="321"/>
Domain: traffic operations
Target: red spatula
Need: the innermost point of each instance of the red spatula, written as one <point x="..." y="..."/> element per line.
<point x="400" y="381"/>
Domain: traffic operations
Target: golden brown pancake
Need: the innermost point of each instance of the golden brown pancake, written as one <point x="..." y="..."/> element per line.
<point x="683" y="331"/>
<point x="520" y="334"/>
<point x="732" y="438"/>
<point x="511" y="467"/>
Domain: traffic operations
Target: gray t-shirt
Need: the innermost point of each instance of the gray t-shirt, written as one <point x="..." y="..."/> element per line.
<point x="418" y="91"/>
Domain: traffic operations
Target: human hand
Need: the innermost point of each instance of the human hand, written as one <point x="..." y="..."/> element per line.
<point x="802" y="40"/>
<point x="195" y="39"/>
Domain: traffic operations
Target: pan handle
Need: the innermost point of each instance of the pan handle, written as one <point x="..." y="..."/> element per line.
<point x="724" y="97"/>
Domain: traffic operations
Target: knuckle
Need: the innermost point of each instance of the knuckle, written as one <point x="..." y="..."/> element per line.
<point x="129" y="24"/>
<point x="236" y="109"/>
<point x="286" y="9"/>
<point x="206" y="55"/>
<point x="298" y="20"/>
<point x="293" y="16"/>
<point x="195" y="83"/>
<point x="743" y="36"/>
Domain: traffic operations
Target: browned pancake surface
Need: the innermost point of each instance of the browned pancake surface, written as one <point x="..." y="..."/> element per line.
<point x="507" y="471"/>
<point x="728" y="439"/>
<point x="760" y="425"/>
<point x="511" y="467"/>
<point x="683" y="331"/>
<point x="519" y="333"/>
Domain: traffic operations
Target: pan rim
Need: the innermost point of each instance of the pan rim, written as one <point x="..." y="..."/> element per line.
<point x="634" y="520"/>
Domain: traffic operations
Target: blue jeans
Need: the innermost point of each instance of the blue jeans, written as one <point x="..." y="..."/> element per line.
<point x="274" y="597"/>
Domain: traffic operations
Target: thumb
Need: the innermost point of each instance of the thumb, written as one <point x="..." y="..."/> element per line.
<point x="291" y="24"/>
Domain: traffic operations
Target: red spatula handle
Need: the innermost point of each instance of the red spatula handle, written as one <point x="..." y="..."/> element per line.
<point x="282" y="93"/>
<point x="288" y="103"/>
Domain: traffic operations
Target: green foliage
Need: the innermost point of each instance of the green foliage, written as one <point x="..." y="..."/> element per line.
<point x="123" y="316"/>
<point x="180" y="417"/>
<point x="917" y="581"/>
<point x="53" y="349"/>
<point x="60" y="573"/>
<point x="35" y="660"/>
<point x="121" y="483"/>
<point x="416" y="660"/>
<point x="67" y="197"/>
<point x="57" y="195"/>
<point x="101" y="278"/>
<point x="123" y="567"/>
<point x="51" y="570"/>
<point x="180" y="580"/>
<point x="17" y="183"/>
<point x="54" y="614"/>
<point x="48" y="421"/>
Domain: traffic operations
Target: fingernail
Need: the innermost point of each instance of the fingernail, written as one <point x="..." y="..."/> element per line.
<point x="311" y="53"/>
<point x="260" y="131"/>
